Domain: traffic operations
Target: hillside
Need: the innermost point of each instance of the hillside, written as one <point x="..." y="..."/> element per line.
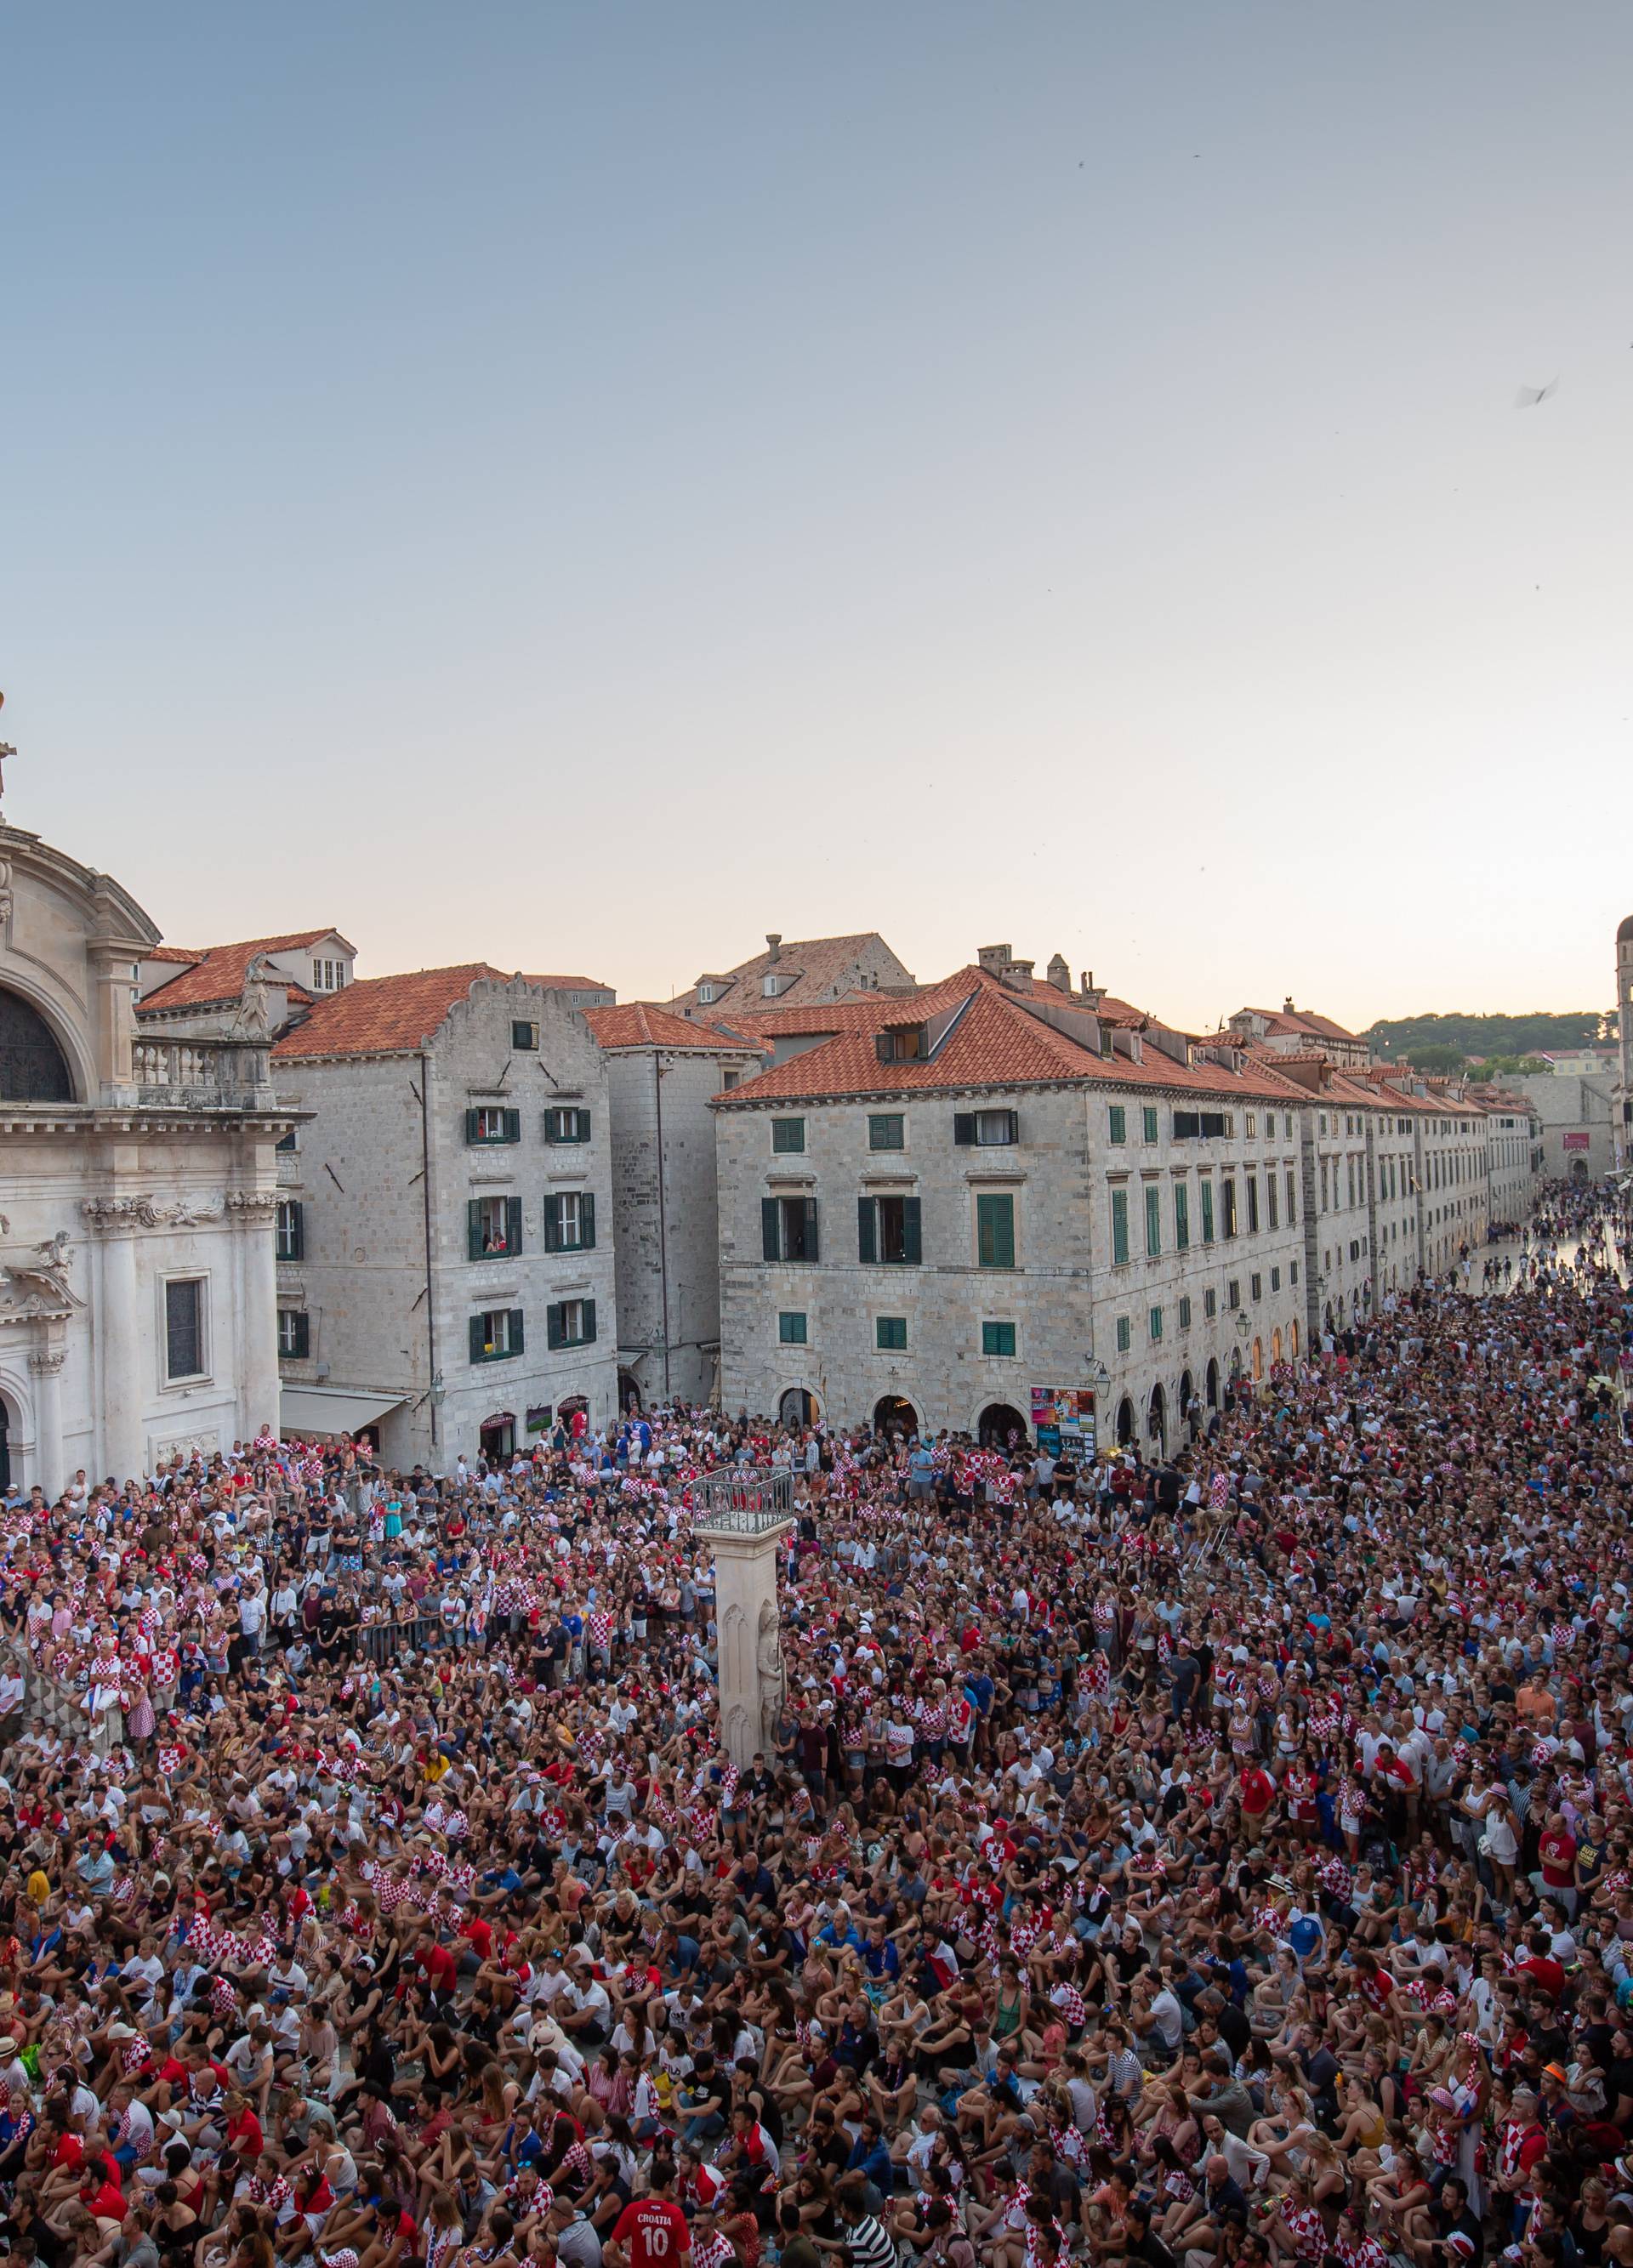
<point x="1398" y="1039"/>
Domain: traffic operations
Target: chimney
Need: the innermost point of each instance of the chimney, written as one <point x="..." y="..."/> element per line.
<point x="1092" y="993"/>
<point x="1017" y="974"/>
<point x="773" y="944"/>
<point x="1059" y="975"/>
<point x="1288" y="1008"/>
<point x="994" y="959"/>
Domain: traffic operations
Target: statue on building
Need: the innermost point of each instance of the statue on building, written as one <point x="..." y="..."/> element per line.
<point x="42" y="1282"/>
<point x="772" y="1676"/>
<point x="252" y="1020"/>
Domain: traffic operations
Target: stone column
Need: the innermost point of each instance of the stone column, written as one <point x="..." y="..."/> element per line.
<point x="750" y="1647"/>
<point x="256" y="1212"/>
<point x="46" y="1366"/>
<point x="122" y="1355"/>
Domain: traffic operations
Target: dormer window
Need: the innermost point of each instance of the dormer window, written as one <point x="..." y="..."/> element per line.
<point x="706" y="994"/>
<point x="905" y="1043"/>
<point x="770" y="984"/>
<point x="327" y="975"/>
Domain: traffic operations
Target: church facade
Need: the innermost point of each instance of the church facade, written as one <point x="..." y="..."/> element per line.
<point x="138" y="1196"/>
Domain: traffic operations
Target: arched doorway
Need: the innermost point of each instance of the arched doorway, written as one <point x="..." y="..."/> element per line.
<point x="797" y="1407"/>
<point x="499" y="1436"/>
<point x="1276" y="1350"/>
<point x="892" y="1413"/>
<point x="1125" y="1423"/>
<point x="998" y="1424"/>
<point x="1210" y="1383"/>
<point x="629" y="1392"/>
<point x="1156" y="1420"/>
<point x="1292" y="1342"/>
<point x="1578" y="1169"/>
<point x="1188" y="1394"/>
<point x="1258" y="1358"/>
<point x="33" y="1067"/>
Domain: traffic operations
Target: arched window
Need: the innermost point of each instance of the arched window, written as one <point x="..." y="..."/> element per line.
<point x="33" y="1067"/>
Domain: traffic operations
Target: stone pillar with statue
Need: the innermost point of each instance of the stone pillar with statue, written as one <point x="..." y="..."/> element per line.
<point x="746" y="1516"/>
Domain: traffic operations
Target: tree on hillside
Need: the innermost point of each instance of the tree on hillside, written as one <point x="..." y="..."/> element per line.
<point x="1439" y="1060"/>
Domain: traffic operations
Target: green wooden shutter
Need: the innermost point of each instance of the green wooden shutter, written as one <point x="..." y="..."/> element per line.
<point x="590" y="1322"/>
<point x="963" y="1128"/>
<point x="303" y="1337"/>
<point x="811" y="1228"/>
<point x="581" y="1125"/>
<point x="477" y="1339"/>
<point x="473" y="1227"/>
<point x="587" y="1221"/>
<point x="518" y="1339"/>
<point x="513" y="1224"/>
<point x="771" y="1240"/>
<point x="552" y="1223"/>
<point x="552" y="1325"/>
<point x="867" y="1239"/>
<point x="994" y="1227"/>
<point x="1120" y="1225"/>
<point x="912" y="1247"/>
<point x="472" y="1117"/>
<point x="513" y="1126"/>
<point x="297" y="1230"/>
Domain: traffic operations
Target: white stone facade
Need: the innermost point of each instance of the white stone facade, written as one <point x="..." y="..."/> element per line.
<point x="386" y="1176"/>
<point x="137" y="1187"/>
<point x="1578" y="1122"/>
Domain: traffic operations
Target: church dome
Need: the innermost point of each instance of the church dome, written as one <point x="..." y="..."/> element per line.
<point x="1625" y="935"/>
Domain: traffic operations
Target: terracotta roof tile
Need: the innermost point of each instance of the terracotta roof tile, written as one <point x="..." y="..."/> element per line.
<point x="383" y="1015"/>
<point x="642" y="1024"/>
<point x="218" y="973"/>
<point x="816" y="963"/>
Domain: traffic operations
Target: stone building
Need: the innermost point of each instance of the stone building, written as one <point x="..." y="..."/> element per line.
<point x="1578" y="1120"/>
<point x="137" y="1191"/>
<point x="444" y="1269"/>
<point x="801" y="975"/>
<point x="1514" y="1146"/>
<point x="1294" y="1031"/>
<point x="982" y="1193"/>
<point x="661" y="1070"/>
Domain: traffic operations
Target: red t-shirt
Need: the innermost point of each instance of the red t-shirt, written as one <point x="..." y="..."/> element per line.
<point x="107" y="2203"/>
<point x="1258" y="1792"/>
<point x="654" y="2232"/>
<point x="1558" y="1854"/>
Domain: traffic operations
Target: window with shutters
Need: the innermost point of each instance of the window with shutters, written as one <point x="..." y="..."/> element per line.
<point x="890" y="1333"/>
<point x="1119" y="1227"/>
<point x="290" y="1235"/>
<point x="1117" y="1123"/>
<point x="994" y="1231"/>
<point x="184" y="1328"/>
<point x="1185" y="1315"/>
<point x="1154" y="1324"/>
<point x="787" y="1136"/>
<point x="1153" y="1221"/>
<point x="1292" y="1207"/>
<point x="1256" y="1286"/>
<point x="492" y="1225"/>
<point x="888" y="1231"/>
<point x="998" y="1338"/>
<point x="788" y="1228"/>
<point x="563" y="1123"/>
<point x="1227" y="1206"/>
<point x="887" y="1131"/>
<point x="569" y="1221"/>
<point x="1216" y="1125"/>
<point x="1210" y="1305"/>
<point x="1275" y="1279"/>
<point x="1188" y="1125"/>
<point x="1125" y="1334"/>
<point x="490" y="1122"/>
<point x="1253" y="1203"/>
<point x="1182" y="1217"/>
<point x="571" y="1323"/>
<point x="986" y="1129"/>
<point x="496" y="1335"/>
<point x="1148" y="1124"/>
<point x="524" y="1038"/>
<point x="791" y="1327"/>
<point x="1207" y="1188"/>
<point x="1292" y="1271"/>
<point x="1233" y="1293"/>
<point x="908" y="1043"/>
<point x="294" y="1335"/>
<point x="1272" y="1208"/>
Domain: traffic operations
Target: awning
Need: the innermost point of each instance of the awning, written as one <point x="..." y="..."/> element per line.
<point x="331" y="1408"/>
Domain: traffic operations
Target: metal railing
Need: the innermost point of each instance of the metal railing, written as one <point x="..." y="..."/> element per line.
<point x="743" y="1500"/>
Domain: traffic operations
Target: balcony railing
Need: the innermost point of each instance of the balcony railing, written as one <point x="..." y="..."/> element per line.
<point x="200" y="1074"/>
<point x="744" y="1500"/>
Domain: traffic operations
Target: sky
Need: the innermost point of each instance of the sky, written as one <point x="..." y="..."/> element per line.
<point x="582" y="487"/>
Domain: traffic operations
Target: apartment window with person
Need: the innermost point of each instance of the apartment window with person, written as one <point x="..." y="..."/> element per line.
<point x="492" y="1225"/>
<point x="888" y="1231"/>
<point x="994" y="1231"/>
<point x="1119" y="1227"/>
<point x="998" y="1339"/>
<point x="490" y="1122"/>
<point x="497" y="1334"/>
<point x="290" y="1235"/>
<point x="570" y="1221"/>
<point x="788" y="1228"/>
<point x="184" y="1328"/>
<point x="1154" y="1221"/>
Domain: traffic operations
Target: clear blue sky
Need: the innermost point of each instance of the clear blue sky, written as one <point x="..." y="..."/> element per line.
<point x="584" y="486"/>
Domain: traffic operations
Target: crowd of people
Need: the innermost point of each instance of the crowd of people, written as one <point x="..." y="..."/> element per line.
<point x="1227" y="1861"/>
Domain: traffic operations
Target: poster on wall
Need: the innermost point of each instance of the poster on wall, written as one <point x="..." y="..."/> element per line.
<point x="1067" y="1416"/>
<point x="1573" y="1141"/>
